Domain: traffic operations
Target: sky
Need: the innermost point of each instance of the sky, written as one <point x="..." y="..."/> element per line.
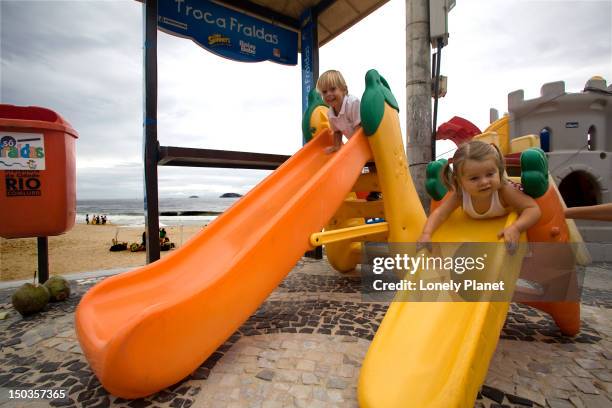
<point x="83" y="59"/>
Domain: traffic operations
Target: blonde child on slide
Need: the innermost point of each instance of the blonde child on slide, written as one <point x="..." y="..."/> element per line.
<point x="343" y="113"/>
<point x="477" y="184"/>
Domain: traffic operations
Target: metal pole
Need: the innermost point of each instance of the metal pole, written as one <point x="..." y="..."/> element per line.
<point x="43" y="259"/>
<point x="315" y="49"/>
<point x="318" y="251"/>
<point x="310" y="54"/>
<point x="150" y="143"/>
<point x="310" y="74"/>
<point x="436" y="91"/>
<point x="418" y="93"/>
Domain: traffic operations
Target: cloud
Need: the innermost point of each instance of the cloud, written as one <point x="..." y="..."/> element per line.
<point x="498" y="47"/>
<point x="207" y="182"/>
<point x="83" y="60"/>
<point x="210" y="102"/>
<point x="108" y="182"/>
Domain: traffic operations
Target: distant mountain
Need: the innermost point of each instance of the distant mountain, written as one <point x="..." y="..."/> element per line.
<point x="230" y="195"/>
<point x="193" y="196"/>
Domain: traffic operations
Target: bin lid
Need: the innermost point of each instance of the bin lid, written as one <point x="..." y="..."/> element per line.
<point x="34" y="117"/>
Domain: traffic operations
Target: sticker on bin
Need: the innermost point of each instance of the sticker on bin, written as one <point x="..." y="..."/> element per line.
<point x="22" y="183"/>
<point x="22" y="151"/>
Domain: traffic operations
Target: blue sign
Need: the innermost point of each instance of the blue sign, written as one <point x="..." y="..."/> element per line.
<point x="308" y="50"/>
<point x="227" y="32"/>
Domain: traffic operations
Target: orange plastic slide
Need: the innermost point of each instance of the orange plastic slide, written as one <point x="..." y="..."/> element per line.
<point x="146" y="329"/>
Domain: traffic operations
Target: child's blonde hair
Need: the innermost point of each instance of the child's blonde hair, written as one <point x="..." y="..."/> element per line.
<point x="331" y="78"/>
<point x="472" y="150"/>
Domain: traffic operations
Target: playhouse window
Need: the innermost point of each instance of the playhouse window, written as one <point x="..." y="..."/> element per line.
<point x="545" y="139"/>
<point x="591" y="138"/>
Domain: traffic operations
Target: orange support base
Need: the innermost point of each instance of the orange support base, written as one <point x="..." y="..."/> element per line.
<point x="565" y="314"/>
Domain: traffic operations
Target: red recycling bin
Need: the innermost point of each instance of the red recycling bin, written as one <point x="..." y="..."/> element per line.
<point x="37" y="172"/>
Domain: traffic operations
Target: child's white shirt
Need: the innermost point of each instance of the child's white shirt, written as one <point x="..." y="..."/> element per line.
<point x="496" y="209"/>
<point x="349" y="117"/>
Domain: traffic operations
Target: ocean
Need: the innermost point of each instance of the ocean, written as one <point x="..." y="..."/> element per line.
<point x="173" y="211"/>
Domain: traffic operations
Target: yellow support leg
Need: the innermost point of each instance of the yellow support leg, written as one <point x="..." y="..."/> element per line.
<point x="350" y="233"/>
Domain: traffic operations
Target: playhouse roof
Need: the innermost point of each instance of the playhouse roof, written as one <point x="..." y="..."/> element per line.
<point x="335" y="16"/>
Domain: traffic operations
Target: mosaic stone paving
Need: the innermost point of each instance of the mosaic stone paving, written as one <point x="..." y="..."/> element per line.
<point x="42" y="352"/>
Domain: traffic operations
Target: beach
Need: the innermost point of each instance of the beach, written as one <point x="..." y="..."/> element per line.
<point x="84" y="248"/>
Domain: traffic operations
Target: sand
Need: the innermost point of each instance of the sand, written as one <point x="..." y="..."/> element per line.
<point x="85" y="248"/>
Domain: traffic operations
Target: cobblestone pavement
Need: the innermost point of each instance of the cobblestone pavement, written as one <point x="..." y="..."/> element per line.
<point x="304" y="347"/>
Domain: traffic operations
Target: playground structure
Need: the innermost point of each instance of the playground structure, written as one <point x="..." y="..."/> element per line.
<point x="575" y="130"/>
<point x="317" y="22"/>
<point x="190" y="309"/>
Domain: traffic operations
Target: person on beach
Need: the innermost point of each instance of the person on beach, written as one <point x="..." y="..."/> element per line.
<point x="163" y="236"/>
<point x="343" y="114"/>
<point x="477" y="184"/>
<point x="87" y="219"/>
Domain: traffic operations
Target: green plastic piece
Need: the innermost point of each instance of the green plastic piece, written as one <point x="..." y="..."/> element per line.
<point x="534" y="172"/>
<point x="372" y="107"/>
<point x="314" y="101"/>
<point x="433" y="179"/>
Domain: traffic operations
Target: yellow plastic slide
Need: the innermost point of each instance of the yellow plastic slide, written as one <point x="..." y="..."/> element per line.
<point x="436" y="354"/>
<point x="147" y="329"/>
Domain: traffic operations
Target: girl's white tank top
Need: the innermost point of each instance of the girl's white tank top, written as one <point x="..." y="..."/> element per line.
<point x="495" y="210"/>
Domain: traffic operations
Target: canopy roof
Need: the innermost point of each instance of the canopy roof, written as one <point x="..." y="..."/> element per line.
<point x="335" y="16"/>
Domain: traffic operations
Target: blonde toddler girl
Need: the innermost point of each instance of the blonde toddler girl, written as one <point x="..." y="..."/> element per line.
<point x="477" y="183"/>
